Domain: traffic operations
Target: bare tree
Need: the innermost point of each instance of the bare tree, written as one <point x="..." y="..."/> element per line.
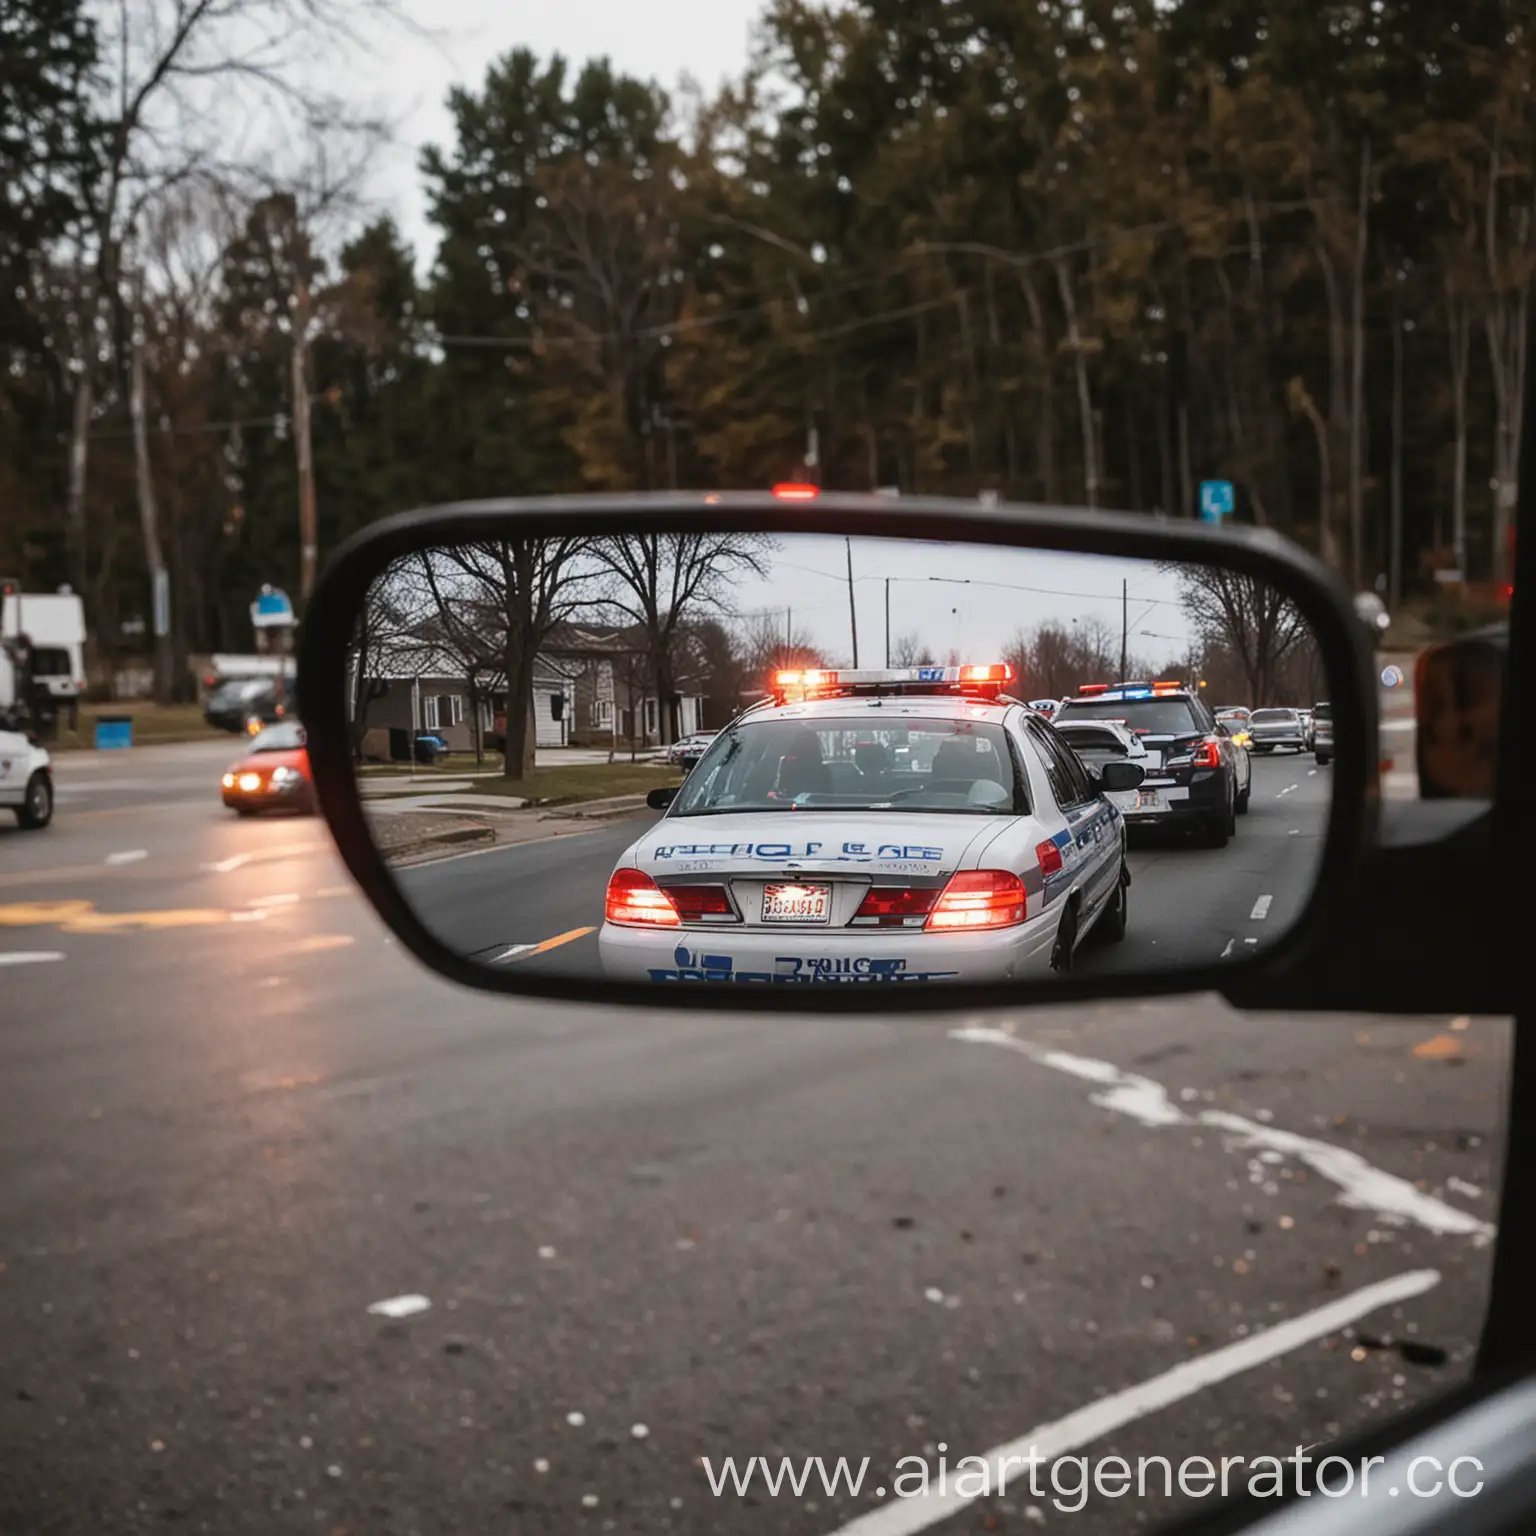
<point x="1256" y="622"/>
<point x="496" y="605"/>
<point x="911" y="651"/>
<point x="661" y="581"/>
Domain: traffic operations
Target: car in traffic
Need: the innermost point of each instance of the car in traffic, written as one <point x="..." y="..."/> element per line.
<point x="26" y="778"/>
<point x="232" y="705"/>
<point x="1274" y="729"/>
<point x="1197" y="775"/>
<point x="1306" y="728"/>
<point x="273" y="774"/>
<point x="1322" y="734"/>
<point x="807" y="846"/>
<point x="691" y="747"/>
<point x="1097" y="742"/>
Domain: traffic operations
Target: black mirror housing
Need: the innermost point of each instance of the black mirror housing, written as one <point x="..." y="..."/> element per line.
<point x="1119" y="777"/>
<point x="660" y="799"/>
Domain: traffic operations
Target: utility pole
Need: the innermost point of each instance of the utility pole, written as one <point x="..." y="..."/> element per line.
<point x="853" y="613"/>
<point x="1124" y="627"/>
<point x="1395" y="550"/>
<point x="309" y="549"/>
<point x="887" y="621"/>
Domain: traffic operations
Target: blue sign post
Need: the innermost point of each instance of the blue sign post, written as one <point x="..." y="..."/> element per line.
<point x="1217" y="500"/>
<point x="272" y="609"/>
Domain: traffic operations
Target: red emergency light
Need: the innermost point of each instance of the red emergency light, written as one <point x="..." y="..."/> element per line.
<point x="795" y="490"/>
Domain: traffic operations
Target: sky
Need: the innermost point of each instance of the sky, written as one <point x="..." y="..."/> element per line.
<point x="966" y="597"/>
<point x="409" y="76"/>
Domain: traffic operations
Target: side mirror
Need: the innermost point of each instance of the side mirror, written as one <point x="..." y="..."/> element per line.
<point x="1458" y="693"/>
<point x="660" y="799"/>
<point x="1117" y="777"/>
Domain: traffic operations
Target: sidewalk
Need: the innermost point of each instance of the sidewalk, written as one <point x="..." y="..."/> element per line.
<point x="419" y="833"/>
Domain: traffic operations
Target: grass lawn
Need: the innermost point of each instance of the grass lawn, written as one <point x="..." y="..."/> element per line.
<point x="151" y="722"/>
<point x="595" y="781"/>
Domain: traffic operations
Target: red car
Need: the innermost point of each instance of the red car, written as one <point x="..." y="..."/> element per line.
<point x="274" y="774"/>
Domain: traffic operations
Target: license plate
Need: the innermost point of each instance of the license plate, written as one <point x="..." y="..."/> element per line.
<point x="797" y="904"/>
<point x="1148" y="800"/>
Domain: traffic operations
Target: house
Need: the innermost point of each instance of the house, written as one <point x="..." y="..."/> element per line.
<point x="591" y="687"/>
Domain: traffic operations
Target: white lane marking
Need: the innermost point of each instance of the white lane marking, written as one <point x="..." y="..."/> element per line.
<point x="249" y="917"/>
<point x="512" y="953"/>
<point x="1260" y="909"/>
<point x="240" y="860"/>
<point x="1228" y="950"/>
<point x="400" y="1306"/>
<point x="1399" y="725"/>
<point x="334" y="890"/>
<point x="1311" y="773"/>
<point x="1046" y="1442"/>
<point x="1361" y="1186"/>
<point x="283" y="899"/>
<point x="128" y="856"/>
<point x="1287" y="790"/>
<point x="29" y="956"/>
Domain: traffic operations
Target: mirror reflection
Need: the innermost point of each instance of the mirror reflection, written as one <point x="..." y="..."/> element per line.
<point x="810" y="759"/>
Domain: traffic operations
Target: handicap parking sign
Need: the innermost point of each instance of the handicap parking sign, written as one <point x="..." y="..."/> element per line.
<point x="1217" y="500"/>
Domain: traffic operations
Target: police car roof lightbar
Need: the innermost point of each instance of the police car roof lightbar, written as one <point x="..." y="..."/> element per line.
<point x="910" y="679"/>
<point x="1093" y="688"/>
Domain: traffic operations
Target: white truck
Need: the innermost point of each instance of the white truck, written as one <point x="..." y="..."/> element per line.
<point x="54" y="625"/>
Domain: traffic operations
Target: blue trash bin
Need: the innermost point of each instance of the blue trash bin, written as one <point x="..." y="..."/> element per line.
<point x="113" y="731"/>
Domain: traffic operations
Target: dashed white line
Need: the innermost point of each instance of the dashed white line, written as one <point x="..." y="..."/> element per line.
<point x="1260" y="909"/>
<point x="29" y="956"/>
<point x="128" y="856"/>
<point x="1046" y="1442"/>
<point x="1287" y="790"/>
<point x="282" y="899"/>
<point x="1361" y="1186"/>
<point x="240" y="860"/>
<point x="400" y="1306"/>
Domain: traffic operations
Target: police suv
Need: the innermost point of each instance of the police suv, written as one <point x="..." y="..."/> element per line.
<point x="904" y="825"/>
<point x="1197" y="775"/>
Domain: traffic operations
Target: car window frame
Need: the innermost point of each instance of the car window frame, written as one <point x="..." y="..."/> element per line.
<point x="1083" y="789"/>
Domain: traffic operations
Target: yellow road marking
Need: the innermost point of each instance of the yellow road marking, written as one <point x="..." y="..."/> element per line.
<point x="557" y="941"/>
<point x="82" y="917"/>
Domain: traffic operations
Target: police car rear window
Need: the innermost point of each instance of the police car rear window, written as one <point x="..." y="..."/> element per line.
<point x="1155" y="717"/>
<point x="1272" y="716"/>
<point x="836" y="763"/>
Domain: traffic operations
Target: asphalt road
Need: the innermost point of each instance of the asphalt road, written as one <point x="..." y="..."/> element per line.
<point x="235" y="1119"/>
<point x="540" y="904"/>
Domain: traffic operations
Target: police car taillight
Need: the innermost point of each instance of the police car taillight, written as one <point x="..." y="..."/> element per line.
<point x="891" y="906"/>
<point x="635" y="900"/>
<point x="979" y="898"/>
<point x="1207" y="755"/>
<point x="1049" y="855"/>
<point x="701" y="903"/>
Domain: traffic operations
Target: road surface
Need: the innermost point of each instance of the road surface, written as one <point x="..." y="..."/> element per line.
<point x="240" y="1129"/>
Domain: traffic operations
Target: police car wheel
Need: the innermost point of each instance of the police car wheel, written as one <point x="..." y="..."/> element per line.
<point x="1066" y="942"/>
<point x="1221" y="826"/>
<point x="1112" y="925"/>
<point x="36" y="810"/>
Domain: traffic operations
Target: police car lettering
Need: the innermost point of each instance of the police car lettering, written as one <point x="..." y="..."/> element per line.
<point x="850" y="853"/>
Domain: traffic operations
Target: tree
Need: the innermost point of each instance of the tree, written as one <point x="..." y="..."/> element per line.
<point x="1253" y="620"/>
<point x="661" y="581"/>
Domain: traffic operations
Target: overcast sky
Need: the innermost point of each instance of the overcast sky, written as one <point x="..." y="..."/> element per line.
<point x="410" y="76"/>
<point x="985" y="595"/>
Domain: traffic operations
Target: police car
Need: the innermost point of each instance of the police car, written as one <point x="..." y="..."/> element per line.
<point x="1099" y="741"/>
<point x="26" y="779"/>
<point x="1197" y="774"/>
<point x="905" y="825"/>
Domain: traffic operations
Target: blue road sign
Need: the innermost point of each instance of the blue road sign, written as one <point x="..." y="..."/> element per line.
<point x="271" y="609"/>
<point x="1217" y="500"/>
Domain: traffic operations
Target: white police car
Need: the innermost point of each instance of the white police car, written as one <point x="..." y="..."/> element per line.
<point x="1101" y="741"/>
<point x="909" y="824"/>
<point x="26" y="779"/>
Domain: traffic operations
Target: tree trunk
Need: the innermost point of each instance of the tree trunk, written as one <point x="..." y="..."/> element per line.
<point x="149" y="518"/>
<point x="1460" y="329"/>
<point x="1045" y="422"/>
<point x="1338" y="395"/>
<point x="79" y="455"/>
<point x="1084" y="392"/>
<point x="1357" y="379"/>
<point x="309" y="549"/>
<point x="521" y="739"/>
<point x="1395" y="539"/>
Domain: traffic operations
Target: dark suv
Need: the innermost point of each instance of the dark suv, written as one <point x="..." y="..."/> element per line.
<point x="1197" y="775"/>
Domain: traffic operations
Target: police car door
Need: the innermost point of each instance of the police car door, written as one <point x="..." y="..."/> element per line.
<point x="1091" y="819"/>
